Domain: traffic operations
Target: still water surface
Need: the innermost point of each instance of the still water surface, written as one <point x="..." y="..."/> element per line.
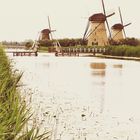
<point x="83" y="98"/>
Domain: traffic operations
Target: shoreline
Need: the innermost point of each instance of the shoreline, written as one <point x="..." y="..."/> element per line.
<point x="102" y="56"/>
<point x="118" y="57"/>
<point x="105" y="56"/>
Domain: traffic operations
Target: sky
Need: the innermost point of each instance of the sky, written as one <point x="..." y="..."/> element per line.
<point x="24" y="19"/>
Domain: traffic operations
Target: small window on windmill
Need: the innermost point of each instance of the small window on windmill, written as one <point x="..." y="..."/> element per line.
<point x="95" y="33"/>
<point x="95" y="40"/>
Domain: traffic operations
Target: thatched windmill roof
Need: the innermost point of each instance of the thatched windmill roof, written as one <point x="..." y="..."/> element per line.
<point x="45" y="31"/>
<point x="118" y="26"/>
<point x="100" y="17"/>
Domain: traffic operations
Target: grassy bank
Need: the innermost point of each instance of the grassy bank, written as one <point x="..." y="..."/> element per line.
<point x="14" y="114"/>
<point x="43" y="49"/>
<point x="128" y="51"/>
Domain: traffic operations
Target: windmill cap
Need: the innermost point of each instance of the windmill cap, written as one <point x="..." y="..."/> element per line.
<point x="118" y="26"/>
<point x="47" y="31"/>
<point x="100" y="17"/>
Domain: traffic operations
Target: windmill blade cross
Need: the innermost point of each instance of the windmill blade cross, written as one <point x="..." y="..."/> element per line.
<point x="124" y="29"/>
<point x="108" y="29"/>
<point x="103" y="7"/>
<point x="106" y="19"/>
<point x="110" y="36"/>
<point x="87" y="27"/>
<point x="53" y="30"/>
<point x="50" y="28"/>
<point x="110" y="15"/>
<point x="127" y="24"/>
<point x="116" y="34"/>
<point x="120" y="16"/>
<point x="89" y="34"/>
<point x="124" y="32"/>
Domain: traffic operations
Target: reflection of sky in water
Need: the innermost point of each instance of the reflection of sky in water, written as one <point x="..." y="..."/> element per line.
<point x="105" y="91"/>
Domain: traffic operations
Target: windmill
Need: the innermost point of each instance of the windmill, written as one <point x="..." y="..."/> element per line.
<point x="46" y="34"/>
<point x="43" y="36"/>
<point x="118" y="30"/>
<point x="97" y="34"/>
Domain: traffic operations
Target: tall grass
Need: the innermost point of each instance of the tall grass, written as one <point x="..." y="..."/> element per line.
<point x="43" y="49"/>
<point x="14" y="114"/>
<point x="129" y="51"/>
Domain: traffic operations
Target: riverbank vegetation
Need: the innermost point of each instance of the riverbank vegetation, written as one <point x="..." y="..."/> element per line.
<point x="130" y="51"/>
<point x="14" y="113"/>
<point x="129" y="47"/>
<point x="126" y="42"/>
<point x="126" y="47"/>
<point x="44" y="49"/>
<point x="67" y="42"/>
<point x="121" y="50"/>
<point x="80" y="42"/>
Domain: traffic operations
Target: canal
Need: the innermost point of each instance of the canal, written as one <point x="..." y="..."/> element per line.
<point x="83" y="98"/>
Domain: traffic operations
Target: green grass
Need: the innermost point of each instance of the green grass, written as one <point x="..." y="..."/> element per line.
<point x="129" y="51"/>
<point x="14" y="113"/>
<point x="43" y="49"/>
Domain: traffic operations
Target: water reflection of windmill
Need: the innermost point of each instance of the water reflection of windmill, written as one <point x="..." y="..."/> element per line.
<point x="99" y="73"/>
<point x="98" y="69"/>
<point x="119" y="29"/>
<point x="97" y="34"/>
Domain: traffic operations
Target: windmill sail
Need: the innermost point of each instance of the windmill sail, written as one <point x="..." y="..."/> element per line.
<point x="50" y="28"/>
<point x="89" y="34"/>
<point x="87" y="27"/>
<point x="106" y="19"/>
<point x="121" y="18"/>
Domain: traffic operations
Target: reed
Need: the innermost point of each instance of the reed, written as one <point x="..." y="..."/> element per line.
<point x="14" y="113"/>
<point x="130" y="51"/>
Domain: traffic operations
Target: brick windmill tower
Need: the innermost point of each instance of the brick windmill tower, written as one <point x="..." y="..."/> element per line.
<point x="118" y="30"/>
<point x="95" y="32"/>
